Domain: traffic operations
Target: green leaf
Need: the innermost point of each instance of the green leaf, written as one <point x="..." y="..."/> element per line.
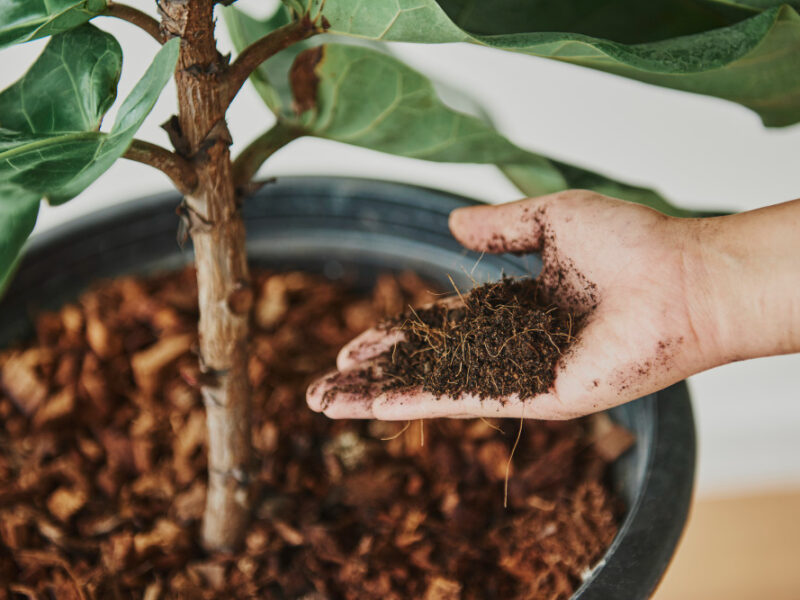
<point x="729" y="52"/>
<point x="69" y="88"/>
<point x="362" y="97"/>
<point x="55" y="155"/>
<point x="758" y="5"/>
<point x="25" y="20"/>
<point x="18" y="211"/>
<point x="131" y="115"/>
<point x="49" y="142"/>
<point x="366" y="98"/>
<point x="625" y="21"/>
<point x="269" y="78"/>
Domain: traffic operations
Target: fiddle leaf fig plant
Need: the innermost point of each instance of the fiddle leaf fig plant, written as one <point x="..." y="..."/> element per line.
<point x="320" y="67"/>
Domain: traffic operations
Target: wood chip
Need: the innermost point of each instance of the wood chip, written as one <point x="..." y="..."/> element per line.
<point x="208" y="573"/>
<point x="289" y="534"/>
<point x="65" y="502"/>
<point x="493" y="456"/>
<point x="153" y="591"/>
<point x="57" y="408"/>
<point x="72" y="320"/>
<point x="166" y="535"/>
<point x="189" y="505"/>
<point x="610" y="440"/>
<point x="100" y="338"/>
<point x="15" y="528"/>
<point x="22" y="383"/>
<point x="117" y="551"/>
<point x="443" y="589"/>
<point x="272" y="303"/>
<point x="119" y="450"/>
<point x="147" y="364"/>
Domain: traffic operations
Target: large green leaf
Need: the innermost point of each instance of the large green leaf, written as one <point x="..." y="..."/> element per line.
<point x="366" y="98"/>
<point x="18" y="211"/>
<point x="24" y="20"/>
<point x="718" y="49"/>
<point x="369" y="99"/>
<point x="50" y="145"/>
<point x="625" y="21"/>
<point x="130" y="117"/>
<point x="757" y="5"/>
<point x="269" y="78"/>
<point x="58" y="153"/>
<point x="69" y="88"/>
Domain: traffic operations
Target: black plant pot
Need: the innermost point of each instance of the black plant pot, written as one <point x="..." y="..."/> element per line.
<point x="349" y="228"/>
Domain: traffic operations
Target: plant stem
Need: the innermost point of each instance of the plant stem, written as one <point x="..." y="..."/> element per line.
<point x="263" y="49"/>
<point x="137" y="17"/>
<point x="260" y="149"/>
<point x="223" y="281"/>
<point x="177" y="168"/>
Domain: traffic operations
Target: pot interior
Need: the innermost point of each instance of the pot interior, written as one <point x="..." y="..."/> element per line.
<point x="352" y="230"/>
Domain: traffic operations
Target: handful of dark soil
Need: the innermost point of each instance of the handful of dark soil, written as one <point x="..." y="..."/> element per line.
<point x="504" y="339"/>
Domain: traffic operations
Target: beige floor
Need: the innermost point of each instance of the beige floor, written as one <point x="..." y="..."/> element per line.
<point x="744" y="548"/>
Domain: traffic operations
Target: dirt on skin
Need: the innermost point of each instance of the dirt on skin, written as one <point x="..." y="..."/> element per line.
<point x="103" y="468"/>
<point x="504" y="339"/>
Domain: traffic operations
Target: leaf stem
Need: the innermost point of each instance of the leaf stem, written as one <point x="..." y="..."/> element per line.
<point x="177" y="168"/>
<point x="259" y="150"/>
<point x="137" y="17"/>
<point x="266" y="47"/>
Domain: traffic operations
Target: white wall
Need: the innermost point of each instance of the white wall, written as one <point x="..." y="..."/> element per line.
<point x="700" y="152"/>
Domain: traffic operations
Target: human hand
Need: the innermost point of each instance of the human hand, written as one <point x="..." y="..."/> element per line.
<point x="641" y="278"/>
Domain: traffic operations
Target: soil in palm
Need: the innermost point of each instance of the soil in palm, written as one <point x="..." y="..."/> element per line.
<point x="501" y="338"/>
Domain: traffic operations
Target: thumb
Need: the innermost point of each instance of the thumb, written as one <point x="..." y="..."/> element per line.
<point x="512" y="227"/>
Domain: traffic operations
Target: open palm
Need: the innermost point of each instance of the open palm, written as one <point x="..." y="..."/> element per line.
<point x="634" y="273"/>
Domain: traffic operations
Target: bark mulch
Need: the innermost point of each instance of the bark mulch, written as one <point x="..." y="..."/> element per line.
<point x="102" y="465"/>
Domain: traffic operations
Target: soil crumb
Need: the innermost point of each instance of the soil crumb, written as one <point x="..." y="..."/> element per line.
<point x="504" y="339"/>
<point x="103" y="465"/>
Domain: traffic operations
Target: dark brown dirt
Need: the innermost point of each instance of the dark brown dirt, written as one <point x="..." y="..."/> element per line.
<point x="504" y="339"/>
<point x="102" y="466"/>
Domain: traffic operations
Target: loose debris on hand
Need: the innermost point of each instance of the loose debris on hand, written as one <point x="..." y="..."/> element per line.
<point x="502" y="339"/>
<point x="102" y="465"/>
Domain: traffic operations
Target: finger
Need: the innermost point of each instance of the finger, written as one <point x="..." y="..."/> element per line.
<point x="370" y="344"/>
<point x="376" y="341"/>
<point x="347" y="395"/>
<point x="511" y="227"/>
<point x="398" y="405"/>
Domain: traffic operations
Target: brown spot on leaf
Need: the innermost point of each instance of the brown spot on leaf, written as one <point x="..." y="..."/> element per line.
<point x="304" y="80"/>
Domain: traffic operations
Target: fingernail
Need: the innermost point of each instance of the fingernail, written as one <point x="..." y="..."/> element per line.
<point x="458" y="218"/>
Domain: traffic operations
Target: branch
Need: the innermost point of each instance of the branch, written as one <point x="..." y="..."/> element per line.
<point x="267" y="47"/>
<point x="137" y="17"/>
<point x="251" y="158"/>
<point x="177" y="168"/>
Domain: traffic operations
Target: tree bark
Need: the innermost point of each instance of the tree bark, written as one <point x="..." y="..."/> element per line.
<point x="225" y="297"/>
